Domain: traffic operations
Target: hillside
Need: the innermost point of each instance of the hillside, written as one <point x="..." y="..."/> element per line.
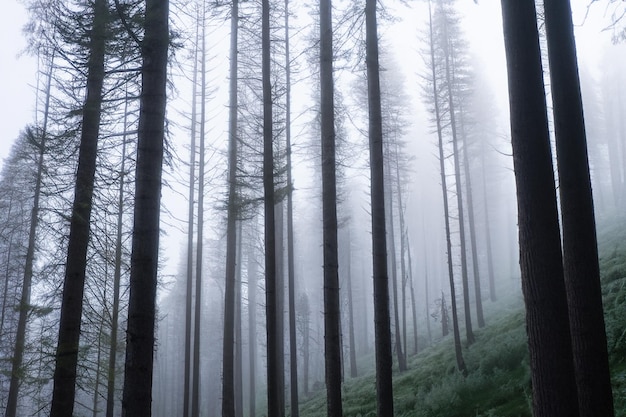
<point x="498" y="384"/>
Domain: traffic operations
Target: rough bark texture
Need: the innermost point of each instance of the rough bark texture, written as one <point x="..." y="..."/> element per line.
<point x="275" y="395"/>
<point x="580" y="252"/>
<point x="74" y="283"/>
<point x="332" y="314"/>
<point x="551" y="362"/>
<point x="382" y="325"/>
<point x="137" y="396"/>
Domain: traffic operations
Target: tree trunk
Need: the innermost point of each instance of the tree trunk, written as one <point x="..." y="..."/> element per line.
<point x="353" y="367"/>
<point x="238" y="363"/>
<point x="394" y="272"/>
<point x="74" y="282"/>
<point x="332" y="313"/>
<point x="195" y="377"/>
<point x="551" y="362"/>
<point x="580" y="250"/>
<point x="413" y="303"/>
<point x="190" y="230"/>
<point x="117" y="277"/>
<point x="492" y="281"/>
<point x="24" y="306"/>
<point x="444" y="189"/>
<point x="137" y="398"/>
<point x="228" y="382"/>
<point x="382" y="326"/>
<point x="252" y="339"/>
<point x="472" y="229"/>
<point x="275" y="390"/>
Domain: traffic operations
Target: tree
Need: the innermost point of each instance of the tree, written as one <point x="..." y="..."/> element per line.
<point x="74" y="282"/>
<point x="275" y="394"/>
<point x="382" y="326"/>
<point x="228" y="373"/>
<point x="332" y="314"/>
<point x="145" y="242"/>
<point x="549" y="343"/>
<point x="580" y="253"/>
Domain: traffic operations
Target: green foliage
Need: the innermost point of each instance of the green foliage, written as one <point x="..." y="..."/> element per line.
<point x="498" y="384"/>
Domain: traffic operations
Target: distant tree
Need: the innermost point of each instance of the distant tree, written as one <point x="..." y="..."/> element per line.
<point x="137" y="397"/>
<point x="384" y="385"/>
<point x="580" y="247"/>
<point x="549" y="342"/>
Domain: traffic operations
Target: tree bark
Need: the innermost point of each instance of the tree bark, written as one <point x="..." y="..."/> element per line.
<point x="228" y="382"/>
<point x="137" y="397"/>
<point x="382" y="326"/>
<point x="74" y="282"/>
<point x="580" y="250"/>
<point x="551" y="362"/>
<point x="275" y="389"/>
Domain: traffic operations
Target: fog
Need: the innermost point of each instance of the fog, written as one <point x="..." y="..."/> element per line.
<point x="417" y="247"/>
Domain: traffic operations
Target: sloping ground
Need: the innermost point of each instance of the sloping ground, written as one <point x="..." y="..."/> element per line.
<point x="498" y="384"/>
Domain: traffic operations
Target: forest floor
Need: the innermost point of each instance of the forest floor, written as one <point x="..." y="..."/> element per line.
<point x="498" y="384"/>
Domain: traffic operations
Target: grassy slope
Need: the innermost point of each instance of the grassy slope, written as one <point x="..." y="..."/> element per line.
<point x="499" y="379"/>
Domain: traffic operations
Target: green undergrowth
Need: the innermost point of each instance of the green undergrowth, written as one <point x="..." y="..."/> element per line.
<point x="498" y="383"/>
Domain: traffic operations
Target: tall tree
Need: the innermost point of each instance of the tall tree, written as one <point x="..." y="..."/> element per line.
<point x="551" y="362"/>
<point x="275" y="389"/>
<point x="382" y="326"/>
<point x="74" y="282"/>
<point x="228" y="381"/>
<point x="20" y="337"/>
<point x="580" y="249"/>
<point x="137" y="397"/>
<point x="332" y="313"/>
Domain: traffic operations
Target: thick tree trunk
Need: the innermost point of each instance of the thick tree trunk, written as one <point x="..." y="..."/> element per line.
<point x="275" y="388"/>
<point x="74" y="283"/>
<point x="332" y="313"/>
<point x="238" y="368"/>
<point x="252" y="339"/>
<point x="382" y="326"/>
<point x="137" y="397"/>
<point x="228" y="382"/>
<point x="580" y="250"/>
<point x="551" y="362"/>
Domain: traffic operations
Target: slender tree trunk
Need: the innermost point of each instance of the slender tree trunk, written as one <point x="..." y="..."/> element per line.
<point x="137" y="397"/>
<point x="252" y="339"/>
<point x="74" y="282"/>
<point x="275" y="389"/>
<point x="413" y="303"/>
<point x="551" y="361"/>
<point x="353" y="367"/>
<point x="382" y="325"/>
<point x="444" y="189"/>
<point x="190" y="229"/>
<point x="492" y="281"/>
<point x="403" y="270"/>
<point x="238" y="368"/>
<point x="195" y="377"/>
<point x="580" y="248"/>
<point x="24" y="306"/>
<point x="117" y="277"/>
<point x="469" y="333"/>
<point x="293" y="353"/>
<point x="228" y="382"/>
<point x="472" y="229"/>
<point x="394" y="273"/>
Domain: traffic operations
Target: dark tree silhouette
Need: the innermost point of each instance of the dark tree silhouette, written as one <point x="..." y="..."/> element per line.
<point x="137" y="394"/>
<point x="551" y="362"/>
<point x="580" y="250"/>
